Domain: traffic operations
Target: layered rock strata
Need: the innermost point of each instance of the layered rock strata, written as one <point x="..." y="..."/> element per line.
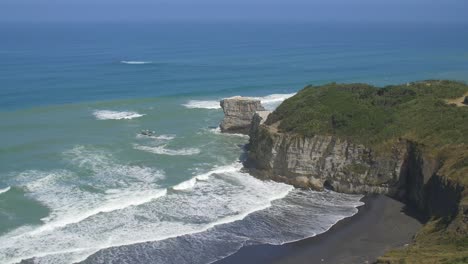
<point x="403" y="171"/>
<point x="238" y="114"/>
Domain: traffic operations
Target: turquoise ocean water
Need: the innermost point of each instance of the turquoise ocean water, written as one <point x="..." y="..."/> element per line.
<point x="78" y="182"/>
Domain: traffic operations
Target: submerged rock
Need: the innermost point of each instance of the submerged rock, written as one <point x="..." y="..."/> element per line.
<point x="238" y="113"/>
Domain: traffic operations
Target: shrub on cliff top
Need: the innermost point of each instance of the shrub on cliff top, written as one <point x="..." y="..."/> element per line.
<point x="371" y="115"/>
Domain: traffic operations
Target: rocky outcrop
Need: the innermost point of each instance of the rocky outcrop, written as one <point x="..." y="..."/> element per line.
<point x="402" y="171"/>
<point x="238" y="114"/>
<point x="323" y="161"/>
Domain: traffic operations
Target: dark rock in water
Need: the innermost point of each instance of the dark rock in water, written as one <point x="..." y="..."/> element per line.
<point x="147" y="133"/>
<point x="238" y="114"/>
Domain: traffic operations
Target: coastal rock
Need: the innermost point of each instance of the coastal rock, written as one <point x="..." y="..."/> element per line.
<point x="403" y="170"/>
<point x="323" y="161"/>
<point x="238" y="114"/>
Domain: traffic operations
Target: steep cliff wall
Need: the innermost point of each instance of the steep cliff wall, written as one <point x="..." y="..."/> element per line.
<point x="404" y="171"/>
<point x="238" y="113"/>
<point x="407" y="141"/>
<point x="323" y="161"/>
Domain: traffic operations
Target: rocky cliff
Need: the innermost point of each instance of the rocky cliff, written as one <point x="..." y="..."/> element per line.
<point x="403" y="171"/>
<point x="403" y="141"/>
<point x="238" y="114"/>
<point x="324" y="161"/>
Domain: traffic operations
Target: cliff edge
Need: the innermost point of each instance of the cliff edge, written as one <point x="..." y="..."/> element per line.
<point x="405" y="141"/>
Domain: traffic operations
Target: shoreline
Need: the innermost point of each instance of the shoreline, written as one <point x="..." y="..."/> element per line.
<point x="381" y="224"/>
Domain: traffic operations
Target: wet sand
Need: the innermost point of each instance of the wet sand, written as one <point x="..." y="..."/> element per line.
<point x="381" y="224"/>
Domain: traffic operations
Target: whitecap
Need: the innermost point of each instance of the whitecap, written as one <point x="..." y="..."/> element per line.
<point x="270" y="102"/>
<point x="208" y="104"/>
<point x="162" y="150"/>
<point x="185" y="185"/>
<point x="158" y="137"/>
<point x="228" y="196"/>
<point x="115" y="115"/>
<point x="217" y="131"/>
<point x="4" y="190"/>
<point x="136" y="62"/>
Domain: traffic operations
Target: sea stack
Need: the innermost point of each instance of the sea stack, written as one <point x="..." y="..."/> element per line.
<point x="238" y="114"/>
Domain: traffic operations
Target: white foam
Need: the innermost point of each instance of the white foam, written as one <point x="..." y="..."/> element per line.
<point x="132" y="185"/>
<point x="162" y="150"/>
<point x="114" y="205"/>
<point x="136" y="62"/>
<point x="228" y="196"/>
<point x="217" y="131"/>
<point x="159" y="137"/>
<point x="117" y="200"/>
<point x="208" y="104"/>
<point x="270" y="102"/>
<point x="4" y="190"/>
<point x="115" y="115"/>
<point x="185" y="185"/>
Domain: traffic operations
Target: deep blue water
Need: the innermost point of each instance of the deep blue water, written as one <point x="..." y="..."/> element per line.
<point x="79" y="183"/>
<point x="56" y="64"/>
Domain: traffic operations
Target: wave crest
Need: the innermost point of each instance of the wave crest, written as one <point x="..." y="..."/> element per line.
<point x="270" y="102"/>
<point x="4" y="190"/>
<point x="202" y="104"/>
<point x="136" y="62"/>
<point x="162" y="150"/>
<point x="115" y="115"/>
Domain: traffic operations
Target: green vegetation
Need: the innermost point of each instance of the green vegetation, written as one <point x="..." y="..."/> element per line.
<point x="433" y="244"/>
<point x="430" y="114"/>
<point x="371" y="115"/>
<point x="377" y="117"/>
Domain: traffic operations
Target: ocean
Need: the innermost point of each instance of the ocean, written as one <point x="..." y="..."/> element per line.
<point x="80" y="183"/>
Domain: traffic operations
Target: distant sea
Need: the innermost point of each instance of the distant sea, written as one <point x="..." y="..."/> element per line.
<point x="78" y="182"/>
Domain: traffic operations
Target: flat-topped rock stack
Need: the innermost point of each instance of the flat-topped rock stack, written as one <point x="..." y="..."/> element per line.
<point x="238" y="114"/>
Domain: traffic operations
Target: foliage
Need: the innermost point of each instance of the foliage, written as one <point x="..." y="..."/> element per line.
<point x="433" y="244"/>
<point x="371" y="115"/>
<point x="420" y="112"/>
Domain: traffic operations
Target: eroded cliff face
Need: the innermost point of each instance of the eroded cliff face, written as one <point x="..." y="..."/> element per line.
<point x="238" y="113"/>
<point x="323" y="161"/>
<point x="403" y="171"/>
<point x="427" y="189"/>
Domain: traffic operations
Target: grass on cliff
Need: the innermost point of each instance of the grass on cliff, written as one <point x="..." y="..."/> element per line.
<point x="371" y="115"/>
<point x="433" y="244"/>
<point x="378" y="116"/>
<point x="421" y="112"/>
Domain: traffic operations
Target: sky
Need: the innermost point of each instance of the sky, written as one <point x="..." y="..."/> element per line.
<point x="234" y="10"/>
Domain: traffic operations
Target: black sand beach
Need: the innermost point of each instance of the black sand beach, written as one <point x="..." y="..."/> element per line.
<point x="381" y="224"/>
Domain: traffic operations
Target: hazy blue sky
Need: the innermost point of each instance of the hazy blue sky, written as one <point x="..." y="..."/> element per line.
<point x="237" y="10"/>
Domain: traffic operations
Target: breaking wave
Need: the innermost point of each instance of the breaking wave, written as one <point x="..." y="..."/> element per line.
<point x="115" y="115"/>
<point x="185" y="185"/>
<point x="4" y="190"/>
<point x="209" y="104"/>
<point x="270" y="102"/>
<point x="162" y="150"/>
<point x="229" y="195"/>
<point x="136" y="62"/>
<point x="158" y="137"/>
